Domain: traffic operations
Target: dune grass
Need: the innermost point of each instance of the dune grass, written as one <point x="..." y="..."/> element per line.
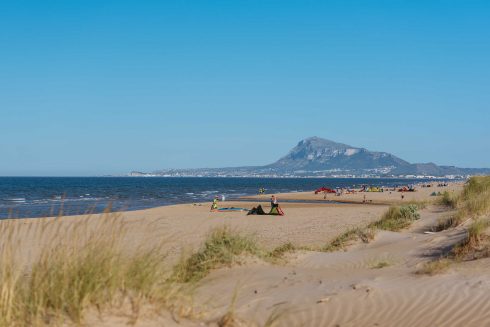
<point x="365" y="234"/>
<point x="380" y="264"/>
<point x="397" y="218"/>
<point x="476" y="244"/>
<point x="473" y="202"/>
<point x="222" y="248"/>
<point x="280" y="251"/>
<point x="449" y="199"/>
<point x="76" y="269"/>
<point x="434" y="267"/>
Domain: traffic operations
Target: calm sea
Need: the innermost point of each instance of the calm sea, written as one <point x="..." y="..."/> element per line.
<point x="47" y="196"/>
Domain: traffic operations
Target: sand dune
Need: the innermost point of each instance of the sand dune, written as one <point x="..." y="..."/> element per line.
<point x="345" y="288"/>
<point x="371" y="284"/>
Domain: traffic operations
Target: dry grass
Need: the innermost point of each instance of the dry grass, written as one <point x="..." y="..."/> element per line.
<point x="444" y="223"/>
<point x="476" y="244"/>
<point x="79" y="267"/>
<point x="434" y="267"/>
<point x="380" y="264"/>
<point x="449" y="199"/>
<point x="472" y="202"/>
<point x="280" y="251"/>
<point x="365" y="234"/>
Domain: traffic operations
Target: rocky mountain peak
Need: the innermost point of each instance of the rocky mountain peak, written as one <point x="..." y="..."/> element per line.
<point x="322" y="154"/>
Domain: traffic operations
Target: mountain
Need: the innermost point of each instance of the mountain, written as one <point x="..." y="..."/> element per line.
<point x="315" y="153"/>
<point x="319" y="157"/>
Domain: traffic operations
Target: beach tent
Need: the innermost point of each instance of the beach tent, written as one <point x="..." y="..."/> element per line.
<point x="276" y="211"/>
<point x="257" y="211"/>
<point x="324" y="189"/>
<point x="407" y="189"/>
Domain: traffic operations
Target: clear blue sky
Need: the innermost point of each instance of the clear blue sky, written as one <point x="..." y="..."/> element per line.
<point x="101" y="87"/>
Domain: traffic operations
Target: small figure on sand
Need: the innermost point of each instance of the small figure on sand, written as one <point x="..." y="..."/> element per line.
<point x="274" y="203"/>
<point x="214" y="206"/>
<point x="261" y="191"/>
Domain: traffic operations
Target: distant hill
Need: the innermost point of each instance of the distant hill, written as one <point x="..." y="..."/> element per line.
<point x="315" y="153"/>
<point x="315" y="156"/>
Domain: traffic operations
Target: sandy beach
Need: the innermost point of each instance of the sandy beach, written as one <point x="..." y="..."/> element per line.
<point x="366" y="284"/>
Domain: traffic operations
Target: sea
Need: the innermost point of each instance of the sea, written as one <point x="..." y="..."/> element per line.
<point x="22" y="197"/>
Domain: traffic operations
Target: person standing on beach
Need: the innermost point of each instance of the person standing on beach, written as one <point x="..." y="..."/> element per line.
<point x="214" y="206"/>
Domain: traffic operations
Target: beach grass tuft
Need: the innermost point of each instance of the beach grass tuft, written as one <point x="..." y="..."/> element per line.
<point x="449" y="199"/>
<point x="365" y="234"/>
<point x="434" y="267"/>
<point x="476" y="244"/>
<point x="222" y="248"/>
<point x="397" y="218"/>
<point x="280" y="251"/>
<point x="379" y="264"/>
<point x="471" y="203"/>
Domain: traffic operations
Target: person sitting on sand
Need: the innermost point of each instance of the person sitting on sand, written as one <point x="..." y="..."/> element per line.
<point x="214" y="206"/>
<point x="274" y="203"/>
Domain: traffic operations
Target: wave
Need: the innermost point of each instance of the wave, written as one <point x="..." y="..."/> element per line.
<point x="18" y="200"/>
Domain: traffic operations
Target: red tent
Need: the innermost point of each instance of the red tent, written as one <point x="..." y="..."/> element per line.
<point x="324" y="189"/>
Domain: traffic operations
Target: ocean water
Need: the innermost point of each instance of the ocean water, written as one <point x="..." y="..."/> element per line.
<point x="22" y="197"/>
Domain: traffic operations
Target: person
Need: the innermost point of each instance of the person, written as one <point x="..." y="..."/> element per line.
<point x="214" y="206"/>
<point x="274" y="203"/>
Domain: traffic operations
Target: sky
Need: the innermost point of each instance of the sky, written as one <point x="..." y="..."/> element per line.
<point x="106" y="87"/>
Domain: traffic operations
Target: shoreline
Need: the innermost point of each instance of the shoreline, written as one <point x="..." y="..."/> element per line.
<point x="301" y="197"/>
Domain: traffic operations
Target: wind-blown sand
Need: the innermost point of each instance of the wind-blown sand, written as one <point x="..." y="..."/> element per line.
<point x="342" y="288"/>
